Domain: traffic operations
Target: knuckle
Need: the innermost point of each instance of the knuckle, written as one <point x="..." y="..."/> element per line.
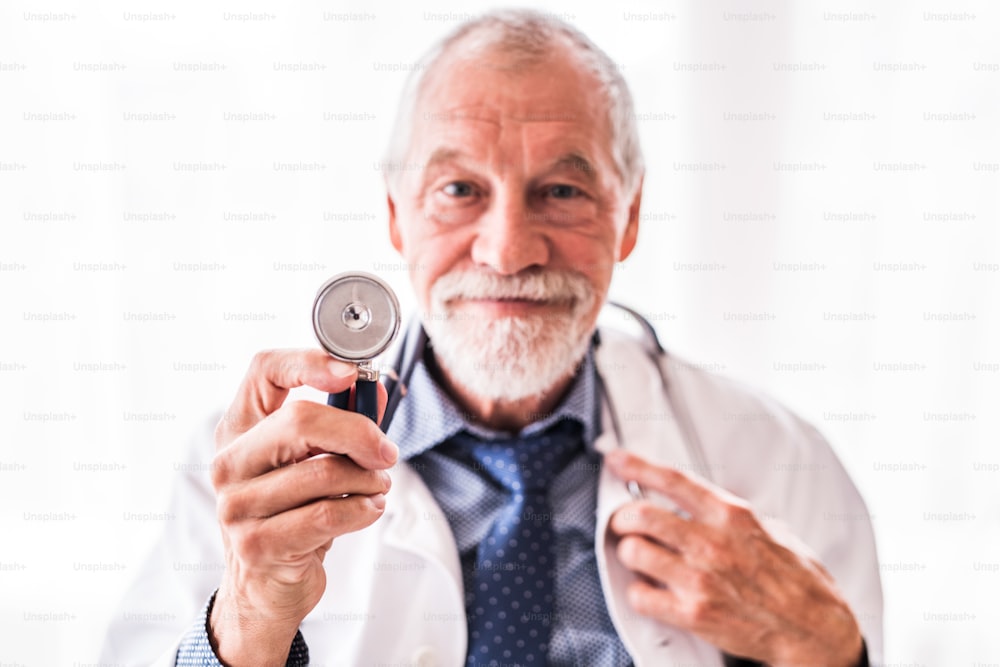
<point x="330" y="515"/>
<point x="668" y="477"/>
<point x="332" y="466"/>
<point x="292" y="421"/>
<point x="228" y="508"/>
<point x="711" y="552"/>
<point x="732" y="512"/>
<point x="221" y="434"/>
<point x="646" y="513"/>
<point x="232" y="423"/>
<point x="738" y="514"/>
<point x="249" y="544"/>
<point x="630" y="550"/>
<point x="262" y="360"/>
<point x="344" y="515"/>
<point x="699" y="609"/>
<point x="324" y="471"/>
<point x="220" y="470"/>
<point x="298" y="412"/>
<point x="700" y="582"/>
<point x="727" y="559"/>
<point x="362" y="429"/>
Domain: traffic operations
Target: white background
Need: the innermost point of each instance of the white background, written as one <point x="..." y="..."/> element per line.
<point x="820" y="212"/>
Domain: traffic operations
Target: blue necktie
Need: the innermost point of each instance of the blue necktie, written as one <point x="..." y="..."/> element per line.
<point x="510" y="604"/>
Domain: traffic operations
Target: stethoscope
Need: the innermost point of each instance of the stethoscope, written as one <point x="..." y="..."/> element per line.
<point x="356" y="317"/>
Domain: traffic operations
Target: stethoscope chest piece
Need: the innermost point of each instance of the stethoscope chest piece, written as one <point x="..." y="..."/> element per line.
<point x="356" y="318"/>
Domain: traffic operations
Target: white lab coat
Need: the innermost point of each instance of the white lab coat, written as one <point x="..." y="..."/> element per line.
<point x="394" y="590"/>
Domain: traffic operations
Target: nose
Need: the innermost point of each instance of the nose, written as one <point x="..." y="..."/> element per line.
<point x="507" y="239"/>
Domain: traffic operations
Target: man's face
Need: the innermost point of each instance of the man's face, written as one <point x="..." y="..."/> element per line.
<point x="510" y="176"/>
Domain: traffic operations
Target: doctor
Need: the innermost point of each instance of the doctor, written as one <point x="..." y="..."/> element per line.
<point x="493" y="523"/>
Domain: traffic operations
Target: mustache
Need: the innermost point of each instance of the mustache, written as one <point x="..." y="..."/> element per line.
<point x="555" y="285"/>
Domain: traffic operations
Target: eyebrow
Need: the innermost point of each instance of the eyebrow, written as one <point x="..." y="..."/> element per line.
<point x="573" y="161"/>
<point x="442" y="155"/>
<point x="576" y="162"/>
<point x="439" y="157"/>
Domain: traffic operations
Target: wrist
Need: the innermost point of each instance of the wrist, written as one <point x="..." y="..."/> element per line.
<point x="854" y="657"/>
<point x="852" y="644"/>
<point x="850" y="653"/>
<point x="241" y="634"/>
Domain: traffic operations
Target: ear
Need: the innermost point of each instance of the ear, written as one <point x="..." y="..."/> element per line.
<point x="394" y="236"/>
<point x="631" y="233"/>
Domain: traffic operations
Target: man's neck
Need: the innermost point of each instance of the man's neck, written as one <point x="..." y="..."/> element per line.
<point x="497" y="414"/>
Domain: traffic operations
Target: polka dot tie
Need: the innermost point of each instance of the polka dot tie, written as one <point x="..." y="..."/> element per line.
<point x="511" y="603"/>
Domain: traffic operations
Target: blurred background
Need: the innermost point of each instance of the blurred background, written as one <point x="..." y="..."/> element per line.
<point x="819" y="220"/>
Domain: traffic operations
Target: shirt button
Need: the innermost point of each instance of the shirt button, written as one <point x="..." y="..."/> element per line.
<point x="424" y="657"/>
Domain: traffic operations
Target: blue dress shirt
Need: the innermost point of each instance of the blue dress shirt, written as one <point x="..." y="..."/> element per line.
<point x="582" y="632"/>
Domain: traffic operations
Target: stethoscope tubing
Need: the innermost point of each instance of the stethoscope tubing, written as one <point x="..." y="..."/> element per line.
<point x="365" y="398"/>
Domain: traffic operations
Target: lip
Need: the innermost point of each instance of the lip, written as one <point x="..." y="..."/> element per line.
<point x="505" y="306"/>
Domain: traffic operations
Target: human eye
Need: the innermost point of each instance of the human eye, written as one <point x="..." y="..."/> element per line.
<point x="563" y="191"/>
<point x="563" y="204"/>
<point x="458" y="189"/>
<point x="456" y="201"/>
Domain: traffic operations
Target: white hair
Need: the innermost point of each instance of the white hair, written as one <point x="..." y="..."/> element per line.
<point x="526" y="36"/>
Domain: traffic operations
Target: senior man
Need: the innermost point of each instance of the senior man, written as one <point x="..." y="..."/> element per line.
<point x="492" y="524"/>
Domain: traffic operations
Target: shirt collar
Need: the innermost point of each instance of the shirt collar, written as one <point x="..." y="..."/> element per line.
<point x="428" y="417"/>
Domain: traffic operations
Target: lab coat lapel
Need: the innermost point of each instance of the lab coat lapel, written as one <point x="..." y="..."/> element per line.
<point x="415" y="523"/>
<point x="648" y="428"/>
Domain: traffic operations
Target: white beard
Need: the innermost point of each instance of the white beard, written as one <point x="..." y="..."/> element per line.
<point x="510" y="358"/>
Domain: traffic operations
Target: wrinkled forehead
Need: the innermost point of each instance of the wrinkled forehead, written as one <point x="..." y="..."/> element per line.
<point x="484" y="87"/>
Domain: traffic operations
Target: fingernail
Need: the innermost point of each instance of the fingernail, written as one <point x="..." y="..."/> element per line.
<point x="388" y="450"/>
<point x="386" y="480"/>
<point x="378" y="501"/>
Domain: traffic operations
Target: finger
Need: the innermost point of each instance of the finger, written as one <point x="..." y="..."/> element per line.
<point x="642" y="517"/>
<point x="324" y="548"/>
<point x="654" y="601"/>
<point x="305" y="529"/>
<point x="271" y="374"/>
<point x="651" y="559"/>
<point x="701" y="499"/>
<point x="383" y="400"/>
<point x="321" y="476"/>
<point x="694" y="604"/>
<point x="300" y="430"/>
